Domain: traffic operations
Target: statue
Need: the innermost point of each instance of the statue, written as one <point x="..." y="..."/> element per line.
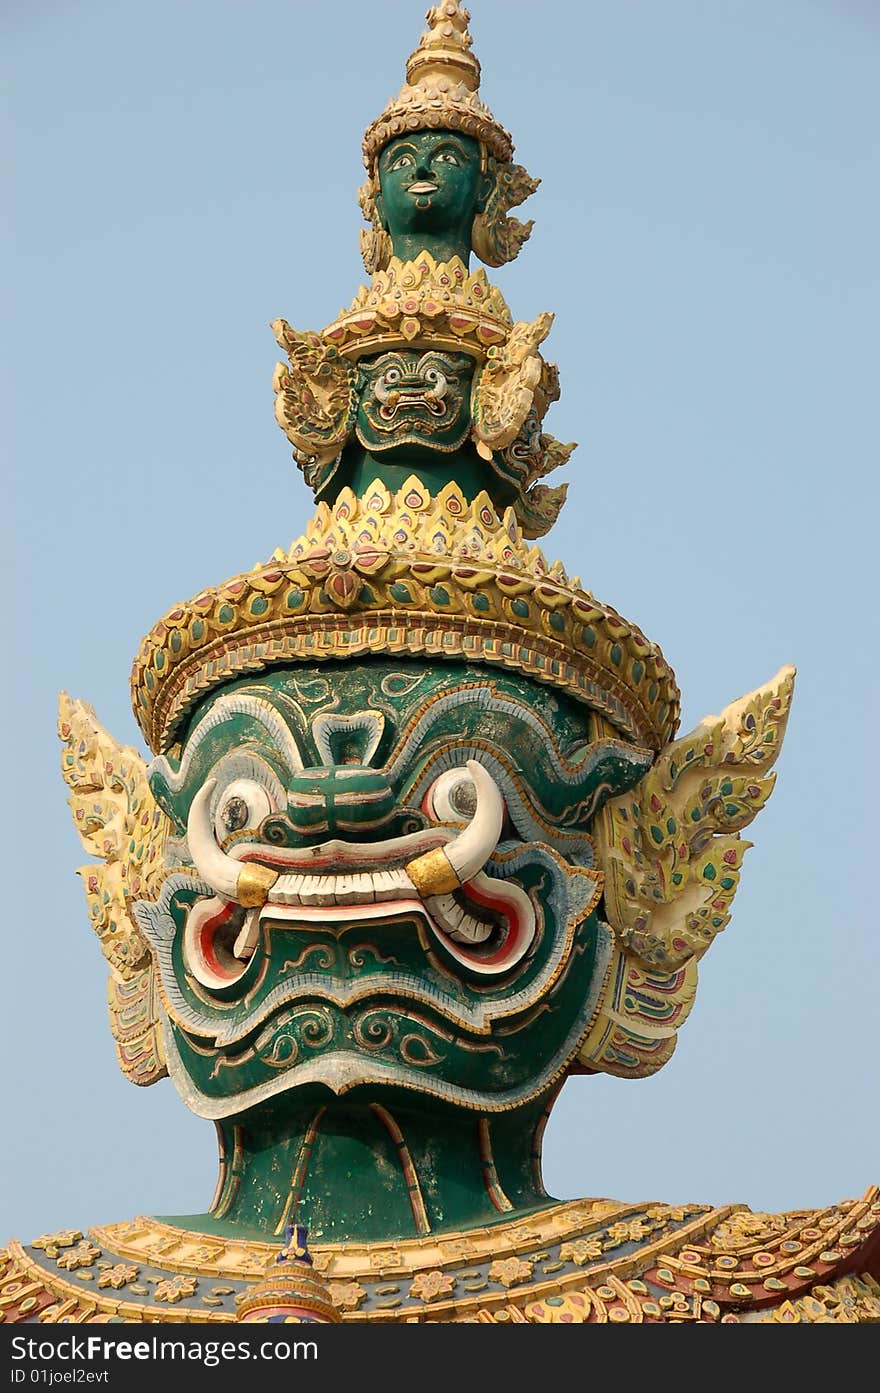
<point x="418" y="840"/>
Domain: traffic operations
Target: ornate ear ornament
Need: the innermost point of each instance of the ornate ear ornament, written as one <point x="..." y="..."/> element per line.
<point x="118" y="821"/>
<point x="376" y="245"/>
<point x="671" y="851"/>
<point x="496" y="238"/>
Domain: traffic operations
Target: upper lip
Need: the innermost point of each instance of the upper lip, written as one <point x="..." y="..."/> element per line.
<point x="422" y="186"/>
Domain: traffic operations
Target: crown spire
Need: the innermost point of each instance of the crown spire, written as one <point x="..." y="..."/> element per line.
<point x="441" y="91"/>
<point x="444" y="49"/>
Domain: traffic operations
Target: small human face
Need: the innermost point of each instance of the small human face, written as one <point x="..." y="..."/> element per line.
<point x="430" y="181"/>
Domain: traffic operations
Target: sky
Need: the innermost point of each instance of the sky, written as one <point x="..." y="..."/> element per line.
<point x="184" y="172"/>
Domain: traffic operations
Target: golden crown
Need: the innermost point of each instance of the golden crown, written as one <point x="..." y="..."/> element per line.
<point x="441" y="91"/>
<point x="415" y="574"/>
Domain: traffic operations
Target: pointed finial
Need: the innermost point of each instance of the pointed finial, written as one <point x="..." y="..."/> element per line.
<point x="444" y="49"/>
<point x="290" y="1291"/>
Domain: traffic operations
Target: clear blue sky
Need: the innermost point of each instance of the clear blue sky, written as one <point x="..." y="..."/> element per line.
<point x="707" y="234"/>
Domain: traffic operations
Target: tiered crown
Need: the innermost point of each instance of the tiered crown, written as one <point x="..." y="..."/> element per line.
<point x="441" y="91"/>
<point x="408" y="574"/>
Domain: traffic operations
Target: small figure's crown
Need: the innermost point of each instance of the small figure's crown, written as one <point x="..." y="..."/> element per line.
<point x="423" y="303"/>
<point x="441" y="91"/>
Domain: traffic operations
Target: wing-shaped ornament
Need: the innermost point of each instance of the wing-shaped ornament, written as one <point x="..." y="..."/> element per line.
<point x="315" y="400"/>
<point x="118" y="821"/>
<point x="504" y="387"/>
<point x="671" y="851"/>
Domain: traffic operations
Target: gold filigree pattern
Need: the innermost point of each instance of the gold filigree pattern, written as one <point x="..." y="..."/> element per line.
<point x="428" y="1286"/>
<point x="441" y="90"/>
<point x="511" y="1272"/>
<point x="422" y="304"/>
<point x="407" y="573"/>
<point x="654" y="1263"/>
<point x="346" y="1296"/>
<point x="118" y="821"/>
<point x="671" y="848"/>
<point x="497" y="238"/>
<point x="117" y="1275"/>
<point x="853" y="1300"/>
<point x="315" y="397"/>
<point x="84" y="1254"/>
<point x="504" y="388"/>
<point x="175" y="1288"/>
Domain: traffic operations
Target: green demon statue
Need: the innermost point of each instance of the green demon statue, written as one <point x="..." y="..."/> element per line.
<point x="418" y="840"/>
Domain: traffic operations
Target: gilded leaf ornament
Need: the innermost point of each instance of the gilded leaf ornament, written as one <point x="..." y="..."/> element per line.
<point x="672" y="849"/>
<point x="315" y="397"/>
<point x="118" y="821"/>
<point x="504" y="389"/>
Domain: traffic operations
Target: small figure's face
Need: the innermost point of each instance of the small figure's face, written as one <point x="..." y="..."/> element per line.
<point x="430" y="182"/>
<point x="344" y="789"/>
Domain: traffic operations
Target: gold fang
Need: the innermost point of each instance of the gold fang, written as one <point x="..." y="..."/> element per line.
<point x="432" y="874"/>
<point x="254" y="884"/>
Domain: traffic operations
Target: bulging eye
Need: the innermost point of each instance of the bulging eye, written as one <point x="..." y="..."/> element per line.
<point x="452" y="797"/>
<point x="243" y="805"/>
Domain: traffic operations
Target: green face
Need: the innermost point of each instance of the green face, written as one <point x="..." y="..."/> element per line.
<point x="414" y="404"/>
<point x="350" y="976"/>
<point x="430" y="184"/>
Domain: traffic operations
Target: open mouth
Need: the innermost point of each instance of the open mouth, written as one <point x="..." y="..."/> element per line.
<point x="408" y="398"/>
<point x="486" y="925"/>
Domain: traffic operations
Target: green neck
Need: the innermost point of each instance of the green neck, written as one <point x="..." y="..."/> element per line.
<point x="359" y="468"/>
<point x="408" y="246"/>
<point x="373" y="1172"/>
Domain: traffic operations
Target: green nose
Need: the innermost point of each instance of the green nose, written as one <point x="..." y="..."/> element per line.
<point x="339" y="799"/>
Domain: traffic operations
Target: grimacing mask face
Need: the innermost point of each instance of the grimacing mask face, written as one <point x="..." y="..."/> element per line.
<point x="337" y="778"/>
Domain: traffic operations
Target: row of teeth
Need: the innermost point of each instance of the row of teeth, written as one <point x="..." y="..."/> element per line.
<point x="456" y="921"/>
<point x="373" y="887"/>
<point x="362" y="888"/>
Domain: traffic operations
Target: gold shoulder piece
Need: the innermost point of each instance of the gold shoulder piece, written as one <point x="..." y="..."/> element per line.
<point x="119" y="822"/>
<point x="315" y="398"/>
<point x="505" y="387"/>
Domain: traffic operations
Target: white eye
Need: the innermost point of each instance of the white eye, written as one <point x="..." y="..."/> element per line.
<point x="401" y="162"/>
<point x="452" y="797"/>
<point x="242" y="805"/>
<point x="446" y="157"/>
